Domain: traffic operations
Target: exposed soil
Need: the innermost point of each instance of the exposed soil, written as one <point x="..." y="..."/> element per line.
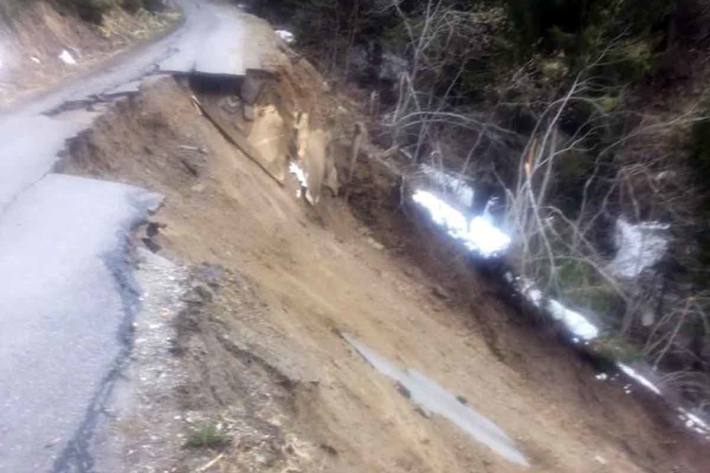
<point x="32" y="42"/>
<point x="260" y="341"/>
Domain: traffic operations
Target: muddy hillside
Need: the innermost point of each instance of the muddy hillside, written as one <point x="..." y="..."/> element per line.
<point x="241" y="279"/>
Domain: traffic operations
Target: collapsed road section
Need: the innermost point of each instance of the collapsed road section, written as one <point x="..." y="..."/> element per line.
<point x="210" y="338"/>
<point x="68" y="296"/>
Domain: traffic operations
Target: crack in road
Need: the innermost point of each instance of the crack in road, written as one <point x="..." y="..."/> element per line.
<point x="76" y="456"/>
<point x="71" y="298"/>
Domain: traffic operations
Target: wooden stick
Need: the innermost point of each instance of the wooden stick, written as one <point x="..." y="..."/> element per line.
<point x="211" y="463"/>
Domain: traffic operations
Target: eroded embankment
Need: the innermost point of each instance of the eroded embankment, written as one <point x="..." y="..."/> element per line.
<point x="274" y="282"/>
<point x="42" y="43"/>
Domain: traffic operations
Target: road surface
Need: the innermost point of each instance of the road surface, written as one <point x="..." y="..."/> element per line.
<point x="68" y="297"/>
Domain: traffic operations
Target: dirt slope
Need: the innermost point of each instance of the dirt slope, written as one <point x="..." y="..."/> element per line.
<point x="32" y="41"/>
<point x="261" y="341"/>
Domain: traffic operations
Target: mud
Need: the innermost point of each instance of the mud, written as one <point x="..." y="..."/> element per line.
<point x="272" y="283"/>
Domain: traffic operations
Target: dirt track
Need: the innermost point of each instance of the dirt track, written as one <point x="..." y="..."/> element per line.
<point x="260" y="342"/>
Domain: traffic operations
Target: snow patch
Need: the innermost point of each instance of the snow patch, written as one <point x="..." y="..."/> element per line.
<point x="286" y="36"/>
<point x="639" y="246"/>
<point x="67" y="58"/>
<point x="694" y="422"/>
<point x="576" y="323"/>
<point x="642" y="380"/>
<point x="479" y="234"/>
<point x="460" y="190"/>
<point x="300" y="174"/>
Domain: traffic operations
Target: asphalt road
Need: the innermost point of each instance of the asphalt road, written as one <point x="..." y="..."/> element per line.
<point x="67" y="294"/>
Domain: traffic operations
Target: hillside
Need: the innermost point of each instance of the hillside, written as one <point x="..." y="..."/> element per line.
<point x="585" y="122"/>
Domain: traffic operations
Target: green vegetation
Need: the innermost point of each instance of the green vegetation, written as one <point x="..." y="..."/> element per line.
<point x="207" y="435"/>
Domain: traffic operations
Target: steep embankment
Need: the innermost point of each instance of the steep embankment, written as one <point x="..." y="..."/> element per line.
<point x="587" y="122"/>
<point x="45" y="42"/>
<point x="267" y="381"/>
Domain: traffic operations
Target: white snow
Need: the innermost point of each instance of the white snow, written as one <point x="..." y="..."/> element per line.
<point x="485" y="238"/>
<point x="461" y="191"/>
<point x="67" y="58"/>
<point x="576" y="323"/>
<point x="639" y="246"/>
<point x="286" y="36"/>
<point x="693" y="421"/>
<point x="300" y="174"/>
<point x="479" y="234"/>
<point x="645" y="382"/>
<point x="297" y="171"/>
